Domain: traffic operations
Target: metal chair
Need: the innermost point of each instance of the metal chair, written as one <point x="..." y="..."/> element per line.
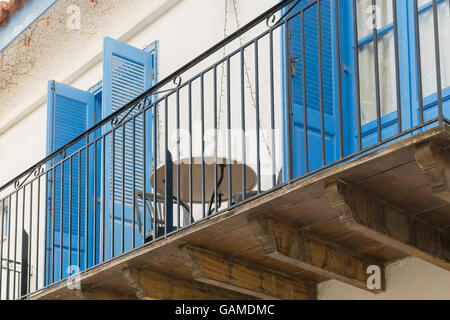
<point x="157" y="213"/>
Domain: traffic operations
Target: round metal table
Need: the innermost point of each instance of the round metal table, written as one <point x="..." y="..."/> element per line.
<point x="210" y="183"/>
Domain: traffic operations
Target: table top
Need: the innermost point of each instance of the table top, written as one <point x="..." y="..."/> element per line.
<point x="236" y="177"/>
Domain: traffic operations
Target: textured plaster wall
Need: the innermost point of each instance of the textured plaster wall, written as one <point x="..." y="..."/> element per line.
<point x="407" y="279"/>
<point x="48" y="48"/>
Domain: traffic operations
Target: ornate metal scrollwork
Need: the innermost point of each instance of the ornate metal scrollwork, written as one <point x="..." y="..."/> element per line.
<point x="63" y="154"/>
<point x="38" y="171"/>
<point x="144" y="102"/>
<point x="270" y="21"/>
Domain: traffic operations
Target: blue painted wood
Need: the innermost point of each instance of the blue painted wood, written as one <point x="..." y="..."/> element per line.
<point x="70" y="112"/>
<point x="128" y="72"/>
<point x="313" y="90"/>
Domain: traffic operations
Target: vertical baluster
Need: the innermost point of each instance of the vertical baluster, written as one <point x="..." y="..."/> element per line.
<point x="38" y="223"/>
<point x="9" y="245"/>
<point x="144" y="170"/>
<point x="103" y="196"/>
<point x="397" y="68"/>
<point x="155" y="173"/>
<point x="244" y="177"/>
<point x="168" y="198"/>
<point x="113" y="193"/>
<point x="202" y="104"/>
<point x="178" y="157"/>
<point x="322" y="109"/>
<point x="86" y="229"/>
<point x="339" y="76"/>
<point x="30" y="226"/>
<point x="79" y="211"/>
<point x="288" y="72"/>
<point x="418" y="61"/>
<point x="1" y="246"/>
<point x="258" y="124"/>
<point x="305" y="100"/>
<point x="47" y="222"/>
<point x="133" y="178"/>
<point x="357" y="76"/>
<point x="272" y="110"/>
<point x="61" y="221"/>
<point x="230" y="179"/>
<point x="215" y="142"/>
<point x="94" y="203"/>
<point x="190" y="152"/>
<point x="16" y="227"/>
<point x="53" y="213"/>
<point x="123" y="190"/>
<point x="438" y="61"/>
<point x="70" y="212"/>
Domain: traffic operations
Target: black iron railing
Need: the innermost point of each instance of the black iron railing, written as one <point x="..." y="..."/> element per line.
<point x="242" y="119"/>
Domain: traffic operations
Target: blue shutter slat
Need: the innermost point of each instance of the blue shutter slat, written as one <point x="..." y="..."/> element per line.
<point x="127" y="74"/>
<point x="312" y="58"/>
<point x="69" y="115"/>
<point x="312" y="84"/>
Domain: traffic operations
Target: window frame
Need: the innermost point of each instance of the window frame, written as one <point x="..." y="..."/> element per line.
<point x="408" y="89"/>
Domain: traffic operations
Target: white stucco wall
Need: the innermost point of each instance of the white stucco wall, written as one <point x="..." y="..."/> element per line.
<point x="408" y="279"/>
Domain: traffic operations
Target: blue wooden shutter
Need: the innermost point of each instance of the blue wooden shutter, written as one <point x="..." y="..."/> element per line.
<point x="311" y="33"/>
<point x="127" y="72"/>
<point x="70" y="113"/>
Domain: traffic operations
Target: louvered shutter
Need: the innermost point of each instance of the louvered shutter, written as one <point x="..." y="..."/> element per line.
<point x="70" y="113"/>
<point x="127" y="73"/>
<point x="311" y="34"/>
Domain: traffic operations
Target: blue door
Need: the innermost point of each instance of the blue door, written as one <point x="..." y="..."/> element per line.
<point x="70" y="112"/>
<point x="128" y="72"/>
<point x="312" y="88"/>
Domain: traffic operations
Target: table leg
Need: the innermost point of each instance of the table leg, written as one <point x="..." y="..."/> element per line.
<point x="219" y="183"/>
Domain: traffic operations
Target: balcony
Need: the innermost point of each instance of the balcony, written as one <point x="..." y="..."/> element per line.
<point x="256" y="171"/>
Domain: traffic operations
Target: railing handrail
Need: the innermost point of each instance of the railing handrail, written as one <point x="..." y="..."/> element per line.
<point x="154" y="88"/>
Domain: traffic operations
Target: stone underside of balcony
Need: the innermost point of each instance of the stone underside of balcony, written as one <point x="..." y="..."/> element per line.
<point x="386" y="205"/>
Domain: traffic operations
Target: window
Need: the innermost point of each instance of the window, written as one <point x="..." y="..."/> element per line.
<point x="386" y="52"/>
<point x="386" y="58"/>
<point x="427" y="53"/>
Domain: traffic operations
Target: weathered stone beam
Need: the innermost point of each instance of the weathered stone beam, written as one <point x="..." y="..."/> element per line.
<point x="149" y="285"/>
<point x="297" y="248"/>
<point x="132" y="275"/>
<point x="386" y="224"/>
<point x="85" y="293"/>
<point x="434" y="161"/>
<point x="214" y="269"/>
